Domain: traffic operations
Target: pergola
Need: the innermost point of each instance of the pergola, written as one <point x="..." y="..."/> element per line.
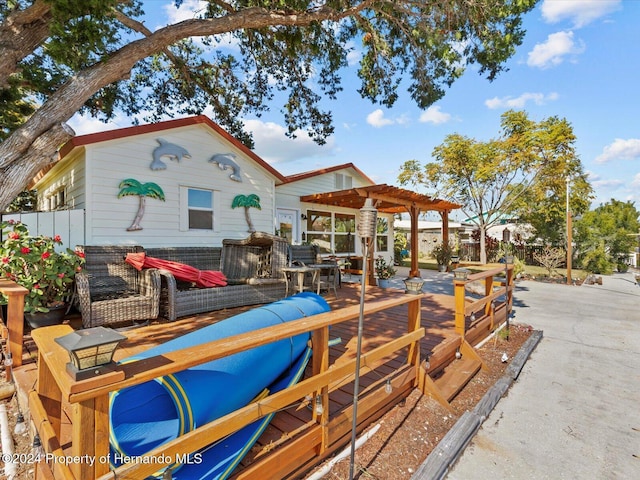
<point x="390" y="199"/>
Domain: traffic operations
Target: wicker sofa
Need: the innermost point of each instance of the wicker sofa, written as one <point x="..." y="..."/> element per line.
<point x="110" y="291"/>
<point x="253" y="267"/>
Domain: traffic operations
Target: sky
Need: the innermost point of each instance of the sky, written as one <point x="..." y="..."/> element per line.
<point x="580" y="60"/>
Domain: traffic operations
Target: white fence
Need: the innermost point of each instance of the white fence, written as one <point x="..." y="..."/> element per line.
<point x="69" y="224"/>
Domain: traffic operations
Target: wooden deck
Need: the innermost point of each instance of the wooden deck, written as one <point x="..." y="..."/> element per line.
<point x="437" y="318"/>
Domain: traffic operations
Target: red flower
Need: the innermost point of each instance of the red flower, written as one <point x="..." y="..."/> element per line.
<point x="57" y="238"/>
<point x="45" y="255"/>
<point x="61" y="275"/>
<point x="25" y="250"/>
<point x="80" y="254"/>
<point x="5" y="259"/>
<point x="14" y="235"/>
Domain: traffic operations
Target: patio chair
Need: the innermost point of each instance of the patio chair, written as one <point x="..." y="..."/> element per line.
<point x="329" y="277"/>
<point x="110" y="291"/>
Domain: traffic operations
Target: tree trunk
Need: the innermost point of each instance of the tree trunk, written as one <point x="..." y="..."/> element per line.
<point x="483" y="246"/>
<point x="39" y="138"/>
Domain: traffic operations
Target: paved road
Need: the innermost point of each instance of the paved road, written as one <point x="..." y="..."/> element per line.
<point x="574" y="412"/>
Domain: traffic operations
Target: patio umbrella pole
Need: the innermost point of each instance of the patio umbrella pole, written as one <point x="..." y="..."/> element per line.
<point x="367" y="231"/>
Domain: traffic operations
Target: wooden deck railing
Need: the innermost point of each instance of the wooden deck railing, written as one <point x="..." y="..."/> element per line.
<point x="14" y="321"/>
<point x="486" y="308"/>
<point x="90" y="406"/>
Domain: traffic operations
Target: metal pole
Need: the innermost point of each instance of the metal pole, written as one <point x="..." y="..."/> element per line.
<point x="356" y="385"/>
<point x="569" y="238"/>
<point x="367" y="232"/>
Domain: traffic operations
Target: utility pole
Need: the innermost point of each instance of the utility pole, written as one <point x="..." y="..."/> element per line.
<point x="569" y="237"/>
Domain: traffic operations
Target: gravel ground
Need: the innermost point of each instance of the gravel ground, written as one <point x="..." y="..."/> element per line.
<point x="412" y="429"/>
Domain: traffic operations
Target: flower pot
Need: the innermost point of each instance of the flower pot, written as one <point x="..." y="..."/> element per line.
<point x="442" y="268"/>
<point x="384" y="282"/>
<point x="54" y="316"/>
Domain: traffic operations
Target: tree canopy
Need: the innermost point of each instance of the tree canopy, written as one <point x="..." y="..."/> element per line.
<point x="59" y="57"/>
<point x="606" y="235"/>
<point x="521" y="172"/>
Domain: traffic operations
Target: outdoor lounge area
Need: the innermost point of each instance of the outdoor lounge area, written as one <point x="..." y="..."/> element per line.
<point x="400" y="332"/>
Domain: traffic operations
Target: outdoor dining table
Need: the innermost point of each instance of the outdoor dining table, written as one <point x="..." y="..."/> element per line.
<point x="294" y="277"/>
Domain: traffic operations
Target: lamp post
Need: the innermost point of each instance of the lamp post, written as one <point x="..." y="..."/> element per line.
<point x="367" y="232"/>
<point x="569" y="235"/>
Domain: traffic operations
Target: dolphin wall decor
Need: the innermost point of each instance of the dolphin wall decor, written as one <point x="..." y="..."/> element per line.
<point x="225" y="162"/>
<point x="167" y="149"/>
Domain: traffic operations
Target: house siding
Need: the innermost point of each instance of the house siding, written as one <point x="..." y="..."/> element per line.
<point x="110" y="162"/>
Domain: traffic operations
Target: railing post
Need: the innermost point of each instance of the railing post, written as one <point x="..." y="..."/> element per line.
<point x="459" y="294"/>
<point x="15" y="319"/>
<point x="509" y="289"/>
<point x="320" y="359"/>
<point x="414" y="323"/>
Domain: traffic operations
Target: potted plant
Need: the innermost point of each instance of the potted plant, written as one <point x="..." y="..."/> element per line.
<point x="33" y="262"/>
<point x="442" y="253"/>
<point x="384" y="271"/>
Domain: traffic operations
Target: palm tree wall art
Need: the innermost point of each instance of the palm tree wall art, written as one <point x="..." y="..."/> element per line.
<point x="247" y="201"/>
<point x="131" y="186"/>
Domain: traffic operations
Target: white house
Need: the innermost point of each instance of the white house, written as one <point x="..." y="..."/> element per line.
<point x="187" y="182"/>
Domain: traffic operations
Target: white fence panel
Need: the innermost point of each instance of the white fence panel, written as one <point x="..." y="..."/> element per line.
<point x="69" y="224"/>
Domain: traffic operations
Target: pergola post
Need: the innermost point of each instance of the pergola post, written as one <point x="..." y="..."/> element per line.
<point x="444" y="215"/>
<point x="414" y="213"/>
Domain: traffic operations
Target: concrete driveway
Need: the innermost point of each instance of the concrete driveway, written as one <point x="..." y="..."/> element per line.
<point x="574" y="412"/>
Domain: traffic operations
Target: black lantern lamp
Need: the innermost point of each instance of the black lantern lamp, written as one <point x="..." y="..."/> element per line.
<point x="91" y="351"/>
<point x="461" y="274"/>
<point x="413" y="285"/>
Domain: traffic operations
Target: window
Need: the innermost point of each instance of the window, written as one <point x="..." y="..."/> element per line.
<point x="382" y="234"/>
<point x="57" y="199"/>
<point x="343" y="182"/>
<point x="331" y="232"/>
<point x="200" y="209"/>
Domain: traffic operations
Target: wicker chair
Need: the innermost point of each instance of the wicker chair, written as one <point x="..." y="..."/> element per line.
<point x="259" y="258"/>
<point x="110" y="291"/>
<point x="306" y="254"/>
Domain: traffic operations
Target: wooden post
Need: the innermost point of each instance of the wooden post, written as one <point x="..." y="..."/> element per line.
<point x="101" y="435"/>
<point x="488" y="290"/>
<point x="459" y="293"/>
<point x="50" y="394"/>
<point x="444" y="215"/>
<point x="15" y="319"/>
<point x="320" y="359"/>
<point x="414" y="213"/>
<point x="413" y="324"/>
<point x="83" y="437"/>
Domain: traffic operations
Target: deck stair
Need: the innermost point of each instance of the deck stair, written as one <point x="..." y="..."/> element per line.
<point x="456" y="376"/>
<point x="450" y="381"/>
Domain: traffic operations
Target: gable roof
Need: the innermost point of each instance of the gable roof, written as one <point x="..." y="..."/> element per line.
<point x="314" y="173"/>
<point x="82" y="140"/>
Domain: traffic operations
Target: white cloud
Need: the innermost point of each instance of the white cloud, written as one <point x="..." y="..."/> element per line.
<point x="580" y="12"/>
<point x="188" y="10"/>
<point x="636" y="181"/>
<point x="554" y="50"/>
<point x="376" y="119"/>
<point x="620" y="149"/>
<point x="273" y="146"/>
<point x="608" y="184"/>
<point x="521" y="101"/>
<point x="435" y="116"/>
<point x="84" y="125"/>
